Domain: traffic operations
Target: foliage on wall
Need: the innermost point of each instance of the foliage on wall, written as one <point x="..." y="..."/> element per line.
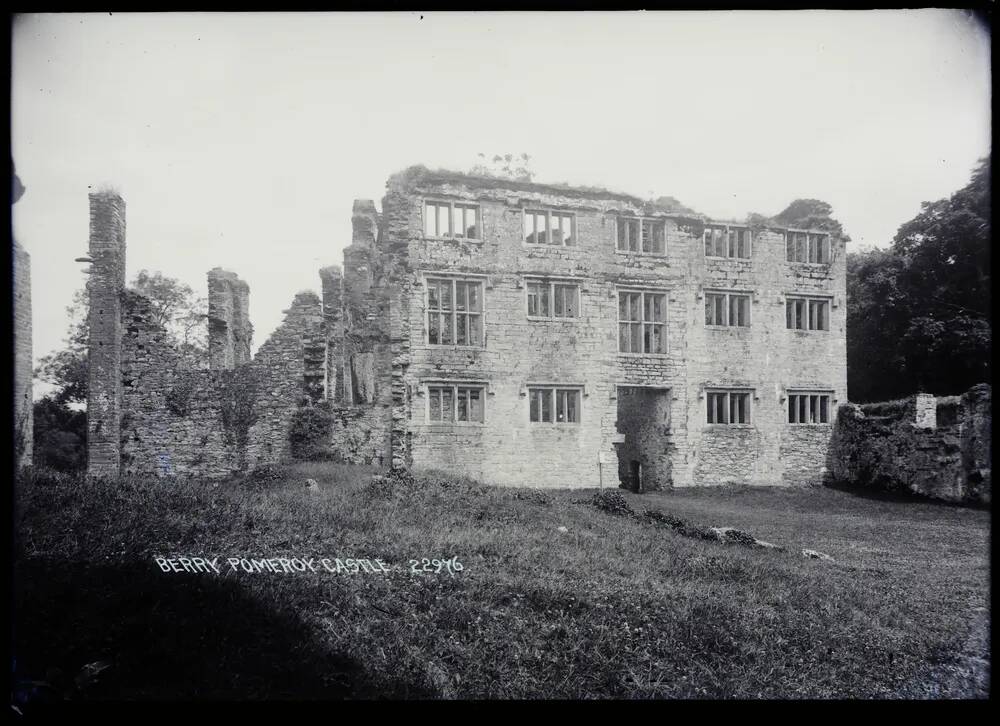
<point x="310" y="432"/>
<point x="239" y="391"/>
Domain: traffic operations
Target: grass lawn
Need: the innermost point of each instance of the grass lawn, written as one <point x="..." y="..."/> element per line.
<point x="612" y="607"/>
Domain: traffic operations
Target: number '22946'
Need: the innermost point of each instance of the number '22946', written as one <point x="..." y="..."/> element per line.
<point x="435" y="566"/>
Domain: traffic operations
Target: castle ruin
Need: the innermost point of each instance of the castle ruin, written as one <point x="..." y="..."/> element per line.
<point x="524" y="334"/>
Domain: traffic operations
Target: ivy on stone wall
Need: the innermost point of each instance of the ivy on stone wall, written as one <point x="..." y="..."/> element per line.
<point x="310" y="432"/>
<point x="180" y="396"/>
<point x="21" y="434"/>
<point x="239" y="390"/>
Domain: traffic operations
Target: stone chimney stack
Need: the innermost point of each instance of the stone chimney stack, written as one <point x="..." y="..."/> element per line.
<point x="364" y="220"/>
<point x="105" y="287"/>
<point x="333" y="317"/>
<point x="229" y="330"/>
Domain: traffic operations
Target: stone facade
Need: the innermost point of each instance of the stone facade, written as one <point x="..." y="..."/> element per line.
<point x="517" y="353"/>
<point x="23" y="367"/>
<point x="367" y="347"/>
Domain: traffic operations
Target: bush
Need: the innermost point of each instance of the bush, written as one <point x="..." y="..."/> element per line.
<point x="899" y="409"/>
<point x="44" y="476"/>
<point x="663" y="518"/>
<point x="60" y="436"/>
<point x="310" y="432"/>
<point x="739" y="537"/>
<point x="611" y="501"/>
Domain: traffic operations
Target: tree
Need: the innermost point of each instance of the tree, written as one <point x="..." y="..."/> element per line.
<point x="874" y="357"/>
<point x="60" y="430"/>
<point x="180" y="312"/>
<point x="175" y="307"/>
<point x="919" y="315"/>
<point x="506" y="166"/>
<point x="810" y="214"/>
<point x="60" y="436"/>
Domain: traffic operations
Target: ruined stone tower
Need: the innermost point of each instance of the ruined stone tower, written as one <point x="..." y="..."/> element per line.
<point x="229" y="329"/>
<point x="105" y="287"/>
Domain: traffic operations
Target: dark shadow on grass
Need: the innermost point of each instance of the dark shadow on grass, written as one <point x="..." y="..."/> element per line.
<point x="902" y="497"/>
<point x="167" y="636"/>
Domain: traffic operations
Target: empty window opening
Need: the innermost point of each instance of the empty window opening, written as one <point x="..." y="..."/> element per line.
<point x="642" y="321"/>
<point x="548" y="299"/>
<point x="451" y="219"/>
<point x="454" y="312"/>
<point x="551" y="404"/>
<point x="809" y="408"/>
<point x="726" y="241"/>
<point x="807" y="247"/>
<point x="802" y="313"/>
<point x="728" y="407"/>
<point x="634" y="234"/>
<point x="549" y="227"/>
<point x="726" y="308"/>
<point x="455" y="403"/>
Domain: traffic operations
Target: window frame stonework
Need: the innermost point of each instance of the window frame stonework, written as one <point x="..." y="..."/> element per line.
<point x="823" y="247"/>
<point x="452" y="204"/>
<point x="640" y="222"/>
<point x="641" y="322"/>
<point x="548" y="213"/>
<point x="551" y="283"/>
<point x="455" y="388"/>
<point x="727" y="296"/>
<point x="555" y="389"/>
<point x="433" y="278"/>
<point x="727" y="241"/>
<point x="792" y="299"/>
<point x="712" y="392"/>
<point x="799" y="404"/>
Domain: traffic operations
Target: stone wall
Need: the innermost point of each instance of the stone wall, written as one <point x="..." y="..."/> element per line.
<point x="358" y="356"/>
<point x="211" y="423"/>
<point x="23" y="363"/>
<point x="149" y="414"/>
<point x="902" y="447"/>
<point x="171" y="421"/>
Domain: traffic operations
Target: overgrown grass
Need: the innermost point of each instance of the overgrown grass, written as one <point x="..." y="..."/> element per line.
<point x="614" y="606"/>
<point x="897" y="409"/>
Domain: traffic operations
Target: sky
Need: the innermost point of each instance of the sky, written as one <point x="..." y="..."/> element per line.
<point x="241" y="140"/>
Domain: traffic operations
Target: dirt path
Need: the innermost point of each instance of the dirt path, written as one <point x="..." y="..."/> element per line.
<point x="964" y="676"/>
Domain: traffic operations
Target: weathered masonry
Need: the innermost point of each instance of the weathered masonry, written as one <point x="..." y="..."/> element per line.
<point x="531" y="335"/>
<point x="23" y="409"/>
